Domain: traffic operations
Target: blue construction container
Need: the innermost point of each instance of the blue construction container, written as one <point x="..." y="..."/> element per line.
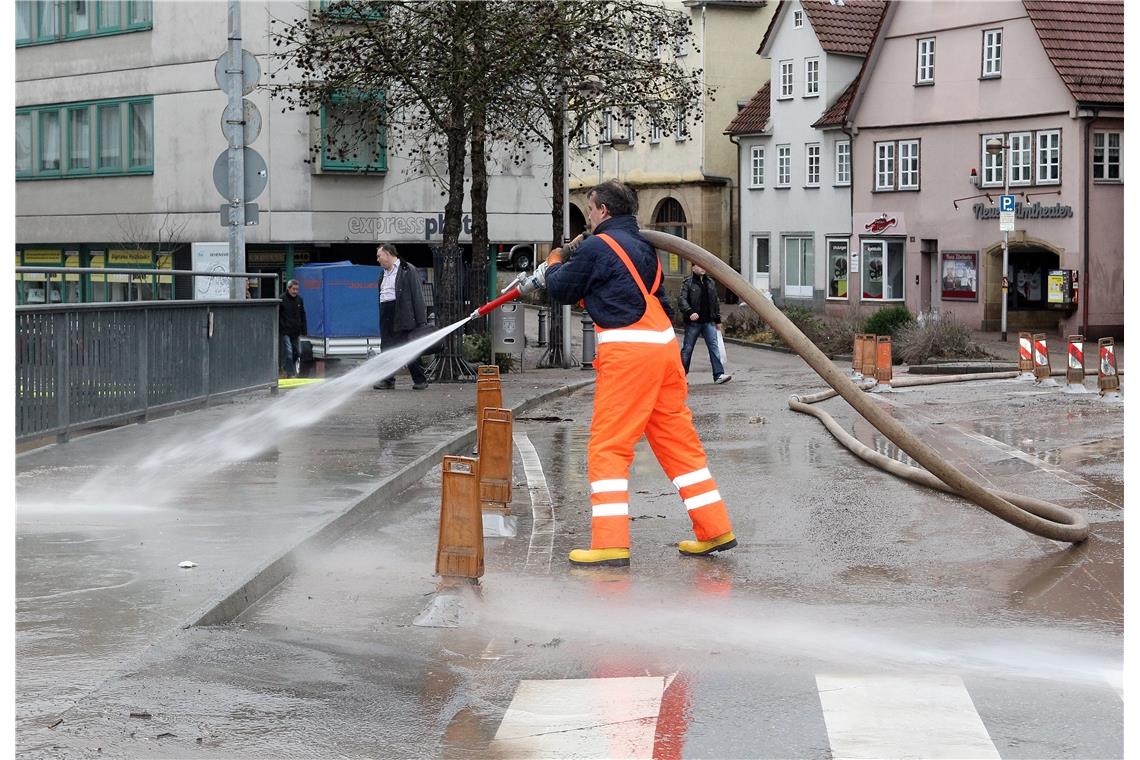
<point x="341" y="307"/>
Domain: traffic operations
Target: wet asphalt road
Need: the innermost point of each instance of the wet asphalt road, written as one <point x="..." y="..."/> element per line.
<point x="842" y="572"/>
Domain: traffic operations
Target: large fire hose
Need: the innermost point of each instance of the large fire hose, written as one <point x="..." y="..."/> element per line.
<point x="1032" y="515"/>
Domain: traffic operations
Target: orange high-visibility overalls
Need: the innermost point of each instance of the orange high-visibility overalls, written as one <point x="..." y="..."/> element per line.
<point x="641" y="389"/>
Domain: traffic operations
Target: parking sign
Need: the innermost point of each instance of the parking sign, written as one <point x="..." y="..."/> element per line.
<point x="1006" y="204"/>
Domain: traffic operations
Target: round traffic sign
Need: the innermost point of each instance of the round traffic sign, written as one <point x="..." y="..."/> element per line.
<point x="250" y="71"/>
<point x="256" y="174"/>
<point x="249" y="117"/>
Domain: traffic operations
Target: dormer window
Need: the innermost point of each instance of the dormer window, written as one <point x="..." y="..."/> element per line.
<point x="797" y="19"/>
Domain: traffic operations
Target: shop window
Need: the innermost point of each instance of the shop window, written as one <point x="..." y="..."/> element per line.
<point x="1106" y="156"/>
<point x="837" y="269"/>
<point x="843" y="162"/>
<point x="353" y="135"/>
<point x="783" y="165"/>
<point x="991" y="53"/>
<point x="811" y="165"/>
<point x="757" y="167"/>
<point x="882" y="270"/>
<point x="925" y="72"/>
<point x="799" y="267"/>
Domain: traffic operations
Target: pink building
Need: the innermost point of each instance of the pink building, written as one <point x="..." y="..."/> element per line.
<point x="1041" y="83"/>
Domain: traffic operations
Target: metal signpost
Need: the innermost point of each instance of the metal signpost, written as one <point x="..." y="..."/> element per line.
<point x="1006" y="208"/>
<point x="240" y="174"/>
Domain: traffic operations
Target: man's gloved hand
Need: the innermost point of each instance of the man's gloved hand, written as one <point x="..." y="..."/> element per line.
<point x="535" y="281"/>
<point x="569" y="248"/>
<point x="555" y="257"/>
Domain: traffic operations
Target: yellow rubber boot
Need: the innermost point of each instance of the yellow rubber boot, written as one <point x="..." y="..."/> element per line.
<point x="700" y="548"/>
<point x="600" y="557"/>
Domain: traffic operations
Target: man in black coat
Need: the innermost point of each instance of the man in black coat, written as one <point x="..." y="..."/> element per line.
<point x="291" y="324"/>
<point x="700" y="309"/>
<point x="401" y="310"/>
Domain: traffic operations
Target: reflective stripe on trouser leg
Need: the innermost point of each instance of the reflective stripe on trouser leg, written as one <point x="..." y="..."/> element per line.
<point x="624" y="395"/>
<point x="678" y="448"/>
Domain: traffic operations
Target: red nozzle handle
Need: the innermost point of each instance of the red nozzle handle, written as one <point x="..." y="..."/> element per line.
<point x="487" y="308"/>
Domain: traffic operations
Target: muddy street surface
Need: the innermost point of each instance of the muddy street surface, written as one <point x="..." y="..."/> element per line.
<point x="860" y="616"/>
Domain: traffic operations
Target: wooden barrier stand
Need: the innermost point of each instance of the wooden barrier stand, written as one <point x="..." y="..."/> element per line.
<point x="1025" y="353"/>
<point x="883" y="360"/>
<point x="488" y="393"/>
<point x="1075" y="369"/>
<point x="460" y="551"/>
<point x="1041" y="368"/>
<point x="1107" y="379"/>
<point x="868" y="355"/>
<point x="857" y="357"/>
<point x="495" y="460"/>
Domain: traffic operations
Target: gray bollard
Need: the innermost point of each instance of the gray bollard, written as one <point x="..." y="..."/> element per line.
<point x="588" y="350"/>
<point x="541" y="327"/>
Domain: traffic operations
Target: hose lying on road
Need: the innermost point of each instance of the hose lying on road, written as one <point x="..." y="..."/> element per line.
<point x="1056" y="523"/>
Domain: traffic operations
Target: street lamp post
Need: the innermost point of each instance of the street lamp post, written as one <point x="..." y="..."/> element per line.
<point x="995" y="146"/>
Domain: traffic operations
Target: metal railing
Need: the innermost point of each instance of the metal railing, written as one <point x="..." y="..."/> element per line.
<point x="87" y="365"/>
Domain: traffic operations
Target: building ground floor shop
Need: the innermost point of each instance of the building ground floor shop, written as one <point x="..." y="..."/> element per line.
<point x="935" y="269"/>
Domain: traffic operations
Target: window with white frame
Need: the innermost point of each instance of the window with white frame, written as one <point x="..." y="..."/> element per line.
<point x="993" y="164"/>
<point x="908" y="165"/>
<point x="885" y="166"/>
<point x="811" y="77"/>
<point x="681" y="126"/>
<point x="607" y="132"/>
<point x="883" y="270"/>
<point x="1106" y="156"/>
<point x="630" y="134"/>
<point x="757" y="167"/>
<point x="654" y="130"/>
<point x="799" y="266"/>
<point x="991" y="53"/>
<point x="1049" y="157"/>
<point x="797" y="19"/>
<point x="811" y="165"/>
<point x="843" y="162"/>
<point x="787" y="75"/>
<point x="760" y="254"/>
<point x="584" y="134"/>
<point x="925" y="73"/>
<point x="1020" y="158"/>
<point x="783" y="165"/>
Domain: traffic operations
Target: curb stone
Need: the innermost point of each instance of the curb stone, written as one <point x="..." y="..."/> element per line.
<point x="249" y="592"/>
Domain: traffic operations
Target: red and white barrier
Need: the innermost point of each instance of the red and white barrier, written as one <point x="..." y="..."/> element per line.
<point x="1108" y="379"/>
<point x="1025" y="356"/>
<point x="1075" y="369"/>
<point x="1041" y="367"/>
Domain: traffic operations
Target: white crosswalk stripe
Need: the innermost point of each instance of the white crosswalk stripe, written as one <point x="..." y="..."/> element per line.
<point x="886" y="717"/>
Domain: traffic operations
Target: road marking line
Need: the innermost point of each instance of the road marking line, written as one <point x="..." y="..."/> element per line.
<point x="584" y="718"/>
<point x="886" y="717"/>
<point x="541" y="547"/>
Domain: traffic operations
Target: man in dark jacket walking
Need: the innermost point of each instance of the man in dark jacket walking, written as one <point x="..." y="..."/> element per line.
<point x="291" y="324"/>
<point x="402" y="310"/>
<point x="701" y="312"/>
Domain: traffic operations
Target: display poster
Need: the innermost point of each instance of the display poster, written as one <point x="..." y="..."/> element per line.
<point x="1056" y="286"/>
<point x="210" y="257"/>
<point x="1028" y="284"/>
<point x="959" y="276"/>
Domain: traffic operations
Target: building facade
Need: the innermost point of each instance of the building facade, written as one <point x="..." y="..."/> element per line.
<point x="119" y="125"/>
<point x="1041" y="84"/>
<point x="687" y="181"/>
<point x="794" y="156"/>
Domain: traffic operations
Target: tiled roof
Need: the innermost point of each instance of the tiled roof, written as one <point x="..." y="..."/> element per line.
<point x="1085" y="42"/>
<point x="751" y="119"/>
<point x="846" y="29"/>
<point x="837" y="114"/>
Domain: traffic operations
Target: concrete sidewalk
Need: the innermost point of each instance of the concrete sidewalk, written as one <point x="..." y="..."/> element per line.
<point x="100" y="538"/>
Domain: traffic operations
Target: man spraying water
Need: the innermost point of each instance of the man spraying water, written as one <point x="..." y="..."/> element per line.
<point x="641" y="387"/>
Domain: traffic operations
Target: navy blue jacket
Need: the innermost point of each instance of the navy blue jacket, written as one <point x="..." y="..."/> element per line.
<point x="596" y="274"/>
